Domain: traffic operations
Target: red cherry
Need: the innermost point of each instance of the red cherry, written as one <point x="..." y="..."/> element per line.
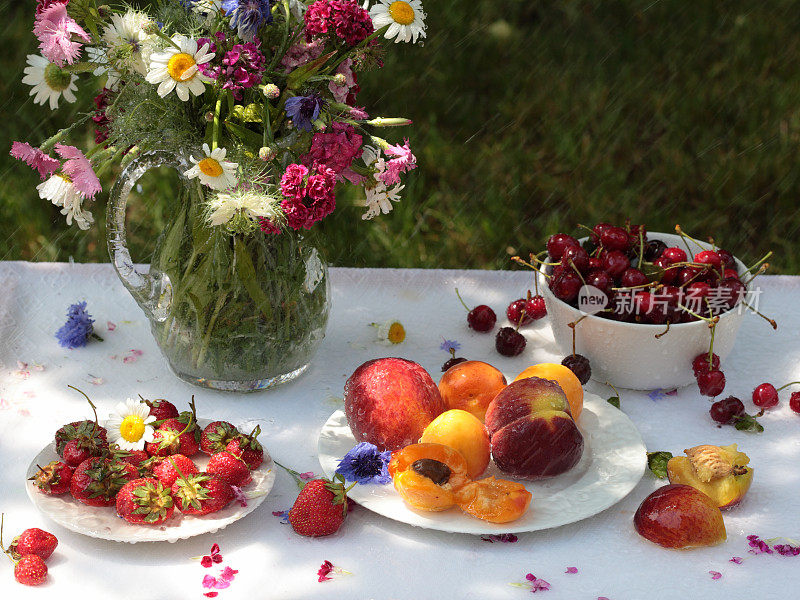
<point x="730" y="274"/>
<point x="509" y="342"/>
<point x="536" y="308"/>
<point x="601" y="280"/>
<point x="615" y="238"/>
<point x="724" y="411"/>
<point x="794" y="402"/>
<point x="765" y="396"/>
<point x="671" y="294"/>
<point x="567" y="286"/>
<point x="595" y="262"/>
<point x="670" y="274"/>
<point x="558" y="243"/>
<point x="688" y="275"/>
<point x="598" y="230"/>
<point x="615" y="262"/>
<point x="696" y="291"/>
<point x="633" y="277"/>
<point x="700" y="363"/>
<point x="674" y="255"/>
<point x="576" y="256"/>
<point x="709" y="257"/>
<point x="728" y="262"/>
<point x="711" y="383"/>
<point x="731" y="291"/>
<point x="481" y="318"/>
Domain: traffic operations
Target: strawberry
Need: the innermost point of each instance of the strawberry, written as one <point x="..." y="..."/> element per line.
<point x="201" y="494"/>
<point x="35" y="541"/>
<point x="53" y="479"/>
<point x="230" y="468"/>
<point x="162" y="409"/>
<point x="320" y="508"/>
<point x="135" y="457"/>
<point x="145" y="501"/>
<point x="97" y="480"/>
<point x="77" y="429"/>
<point x="30" y="570"/>
<point x="173" y="437"/>
<point x="216" y="436"/>
<point x="82" y="447"/>
<point x="248" y="449"/>
<point x="169" y="469"/>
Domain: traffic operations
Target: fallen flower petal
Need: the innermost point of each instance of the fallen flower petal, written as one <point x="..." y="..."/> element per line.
<point x="736" y="559"/>
<point x="715" y="575"/>
<point x="571" y="570"/>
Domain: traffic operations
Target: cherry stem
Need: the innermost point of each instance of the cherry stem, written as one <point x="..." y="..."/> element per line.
<point x="711" y="345"/>
<point x="633" y="287"/>
<point x="574" y="326"/>
<point x="658" y="336"/>
<point x="462" y="303"/>
<point x="760" y="271"/>
<point x="641" y="250"/>
<point x="572" y="264"/>
<point x="767" y="319"/>
<point x="94" y="408"/>
<point x="680" y="232"/>
<point x="694" y="314"/>
<point x="787" y="385"/>
<point x="611" y="385"/>
<point x="750" y="269"/>
<point x="519" y="323"/>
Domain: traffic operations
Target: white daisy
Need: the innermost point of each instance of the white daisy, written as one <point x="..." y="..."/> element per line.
<point x="405" y="18"/>
<point x="60" y="190"/>
<point x="176" y="69"/>
<point x="127" y="47"/>
<point x="131" y="425"/>
<point x="390" y="332"/>
<point x="213" y="170"/>
<point x="225" y="206"/>
<point x="48" y="81"/>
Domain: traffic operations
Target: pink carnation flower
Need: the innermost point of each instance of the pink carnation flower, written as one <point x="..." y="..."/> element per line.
<point x="35" y="158"/>
<point x="79" y="169"/>
<point x="343" y="18"/>
<point x="55" y="29"/>
<point x="306" y="205"/>
<point x="336" y="148"/>
<point x="293" y="181"/>
<point x="342" y="92"/>
<point x="300" y="54"/>
<point x="403" y="162"/>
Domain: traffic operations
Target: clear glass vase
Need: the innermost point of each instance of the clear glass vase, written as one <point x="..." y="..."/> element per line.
<point x="230" y="312"/>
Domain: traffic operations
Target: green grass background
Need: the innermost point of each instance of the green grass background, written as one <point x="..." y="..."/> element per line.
<point x="529" y="117"/>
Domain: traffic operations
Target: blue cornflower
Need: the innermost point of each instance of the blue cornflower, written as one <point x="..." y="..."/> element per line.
<point x="304" y="110"/>
<point x="450" y="346"/>
<point x="365" y="464"/>
<point x="247" y="16"/>
<point x="76" y="331"/>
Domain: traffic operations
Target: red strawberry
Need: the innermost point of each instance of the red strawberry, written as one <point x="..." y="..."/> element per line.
<point x="201" y="494"/>
<point x="75" y="429"/>
<point x="96" y="481"/>
<point x="145" y="501"/>
<point x="248" y="449"/>
<point x="54" y="478"/>
<point x="135" y="457"/>
<point x="174" y="437"/>
<point x="82" y="447"/>
<point x="230" y="468"/>
<point x="216" y="436"/>
<point x="162" y="409"/>
<point x="166" y="472"/>
<point x="30" y="570"/>
<point x="35" y="541"/>
<point x="320" y="508"/>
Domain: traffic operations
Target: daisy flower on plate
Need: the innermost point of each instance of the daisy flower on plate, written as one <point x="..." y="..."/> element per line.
<point x="131" y="425"/>
<point x="49" y="81"/>
<point x="406" y="19"/>
<point x="213" y="170"/>
<point x="176" y="68"/>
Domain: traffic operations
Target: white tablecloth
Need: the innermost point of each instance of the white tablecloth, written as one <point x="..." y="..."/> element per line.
<point x="387" y="559"/>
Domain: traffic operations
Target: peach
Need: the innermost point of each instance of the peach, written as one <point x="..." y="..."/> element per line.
<point x="464" y="432"/>
<point x="679" y="516"/>
<point x="719" y="472"/>
<point x="568" y="381"/>
<point x="390" y="401"/>
<point x="471" y="386"/>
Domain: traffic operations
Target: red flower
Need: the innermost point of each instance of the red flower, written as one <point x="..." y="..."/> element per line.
<point x="215" y="557"/>
<point x="343" y="18"/>
<point x="324" y="571"/>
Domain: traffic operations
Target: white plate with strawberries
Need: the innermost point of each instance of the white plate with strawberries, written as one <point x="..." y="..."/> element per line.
<point x="613" y="461"/>
<point x="103" y="522"/>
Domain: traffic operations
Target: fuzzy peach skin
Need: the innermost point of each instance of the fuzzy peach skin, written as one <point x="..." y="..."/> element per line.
<point x="390" y="401"/>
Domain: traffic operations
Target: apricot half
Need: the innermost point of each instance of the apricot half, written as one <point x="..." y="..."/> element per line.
<point x="568" y="381"/>
<point x="494" y="500"/>
<point x="720" y="472"/>
<point x="427" y="475"/>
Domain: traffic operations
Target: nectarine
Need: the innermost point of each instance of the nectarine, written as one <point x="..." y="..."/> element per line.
<point x="568" y="381"/>
<point x="718" y="471"/>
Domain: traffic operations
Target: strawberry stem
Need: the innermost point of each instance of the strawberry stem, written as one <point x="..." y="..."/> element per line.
<point x="295" y="475"/>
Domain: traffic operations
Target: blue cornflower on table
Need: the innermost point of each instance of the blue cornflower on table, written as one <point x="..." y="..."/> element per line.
<point x="247" y="16"/>
<point x="364" y="463"/>
<point x="78" y="328"/>
<point x="304" y="110"/>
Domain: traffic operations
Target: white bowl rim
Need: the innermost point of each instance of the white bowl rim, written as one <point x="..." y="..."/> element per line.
<point x="624" y="324"/>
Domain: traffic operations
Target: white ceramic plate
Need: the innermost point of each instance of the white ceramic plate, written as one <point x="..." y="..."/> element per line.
<point x="102" y="521"/>
<point x="613" y="462"/>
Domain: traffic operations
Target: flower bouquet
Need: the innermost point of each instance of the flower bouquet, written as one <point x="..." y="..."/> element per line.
<point x="254" y="102"/>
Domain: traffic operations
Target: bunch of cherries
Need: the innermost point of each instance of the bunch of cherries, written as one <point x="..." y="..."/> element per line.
<point x="667" y="286"/>
<point x="731" y="410"/>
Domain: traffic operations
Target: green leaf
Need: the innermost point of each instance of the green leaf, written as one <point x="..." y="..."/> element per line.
<point x="614" y="401"/>
<point x="748" y="423"/>
<point x="300" y="75"/>
<point x="247" y="275"/>
<point x="657" y="463"/>
<point x="250" y="138"/>
<point x="653" y="272"/>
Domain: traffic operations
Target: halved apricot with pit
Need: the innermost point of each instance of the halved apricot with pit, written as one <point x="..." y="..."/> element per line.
<point x="427" y="475"/>
<point x="494" y="500"/>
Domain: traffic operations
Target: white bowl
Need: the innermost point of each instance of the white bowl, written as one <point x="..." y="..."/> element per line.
<point x="628" y="354"/>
